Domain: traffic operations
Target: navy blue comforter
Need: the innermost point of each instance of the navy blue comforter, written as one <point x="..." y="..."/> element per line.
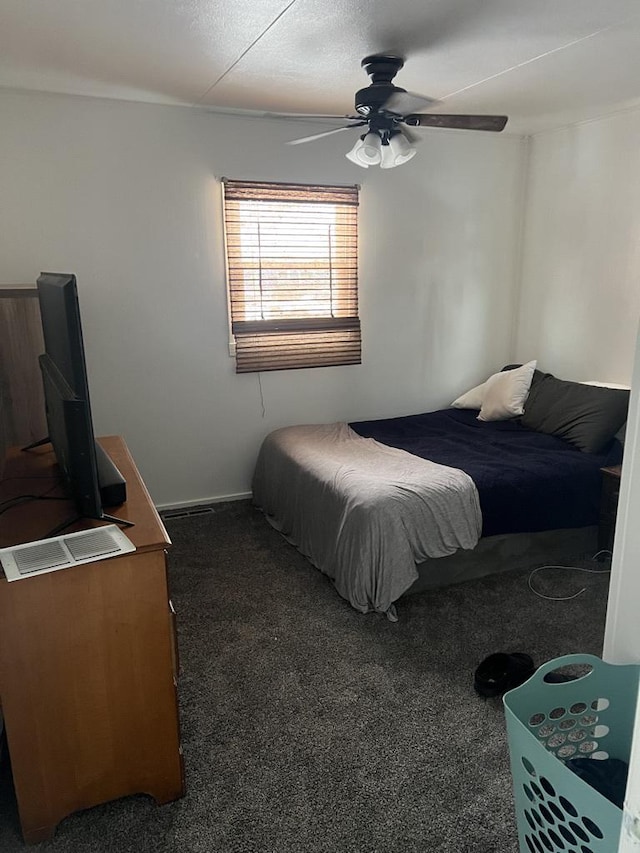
<point x="527" y="481"/>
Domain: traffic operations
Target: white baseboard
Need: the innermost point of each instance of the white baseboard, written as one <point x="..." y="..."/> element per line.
<point x="240" y="496"/>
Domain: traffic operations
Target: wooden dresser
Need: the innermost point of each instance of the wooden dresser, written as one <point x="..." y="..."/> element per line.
<point x="88" y="657"/>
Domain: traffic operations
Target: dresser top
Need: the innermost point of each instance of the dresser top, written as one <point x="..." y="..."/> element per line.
<point x="35" y="472"/>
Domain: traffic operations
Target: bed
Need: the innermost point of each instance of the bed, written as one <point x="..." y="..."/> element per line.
<point x="393" y="506"/>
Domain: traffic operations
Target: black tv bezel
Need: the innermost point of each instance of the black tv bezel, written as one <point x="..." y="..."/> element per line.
<point x="62" y="329"/>
<point x="72" y="438"/>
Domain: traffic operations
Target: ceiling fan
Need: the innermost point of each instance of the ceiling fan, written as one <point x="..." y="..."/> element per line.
<point x="388" y="112"/>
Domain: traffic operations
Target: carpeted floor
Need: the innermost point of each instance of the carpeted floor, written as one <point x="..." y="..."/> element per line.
<point x="309" y="728"/>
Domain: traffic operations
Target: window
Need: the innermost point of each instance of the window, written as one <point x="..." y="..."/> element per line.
<point x="292" y="270"/>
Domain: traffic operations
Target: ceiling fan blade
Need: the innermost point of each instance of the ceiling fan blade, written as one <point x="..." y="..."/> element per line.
<point x="310" y="117"/>
<point x="459" y="122"/>
<point x="409" y="135"/>
<point x="324" y="133"/>
<point x="403" y="103"/>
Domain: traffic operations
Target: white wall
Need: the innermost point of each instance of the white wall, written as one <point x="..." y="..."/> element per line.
<point x="580" y="293"/>
<point x="125" y="196"/>
<point x="579" y="310"/>
<point x="580" y="302"/>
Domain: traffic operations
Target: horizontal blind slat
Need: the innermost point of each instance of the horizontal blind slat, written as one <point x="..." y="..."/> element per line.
<point x="265" y="327"/>
<point x="289" y="193"/>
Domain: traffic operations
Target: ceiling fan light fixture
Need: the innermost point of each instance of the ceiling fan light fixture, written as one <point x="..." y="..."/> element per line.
<point x="370" y="153"/>
<point x="401" y="149"/>
<point x="353" y="154"/>
<point x="387" y="158"/>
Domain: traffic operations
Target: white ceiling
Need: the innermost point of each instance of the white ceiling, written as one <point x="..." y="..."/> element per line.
<point x="541" y="62"/>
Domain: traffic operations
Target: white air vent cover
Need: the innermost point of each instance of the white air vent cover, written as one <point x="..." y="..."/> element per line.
<point x="61" y="552"/>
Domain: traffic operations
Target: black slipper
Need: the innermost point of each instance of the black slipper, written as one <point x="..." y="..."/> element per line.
<point x="501" y="672"/>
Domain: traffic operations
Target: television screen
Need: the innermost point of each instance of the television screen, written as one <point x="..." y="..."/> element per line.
<point x="92" y="478"/>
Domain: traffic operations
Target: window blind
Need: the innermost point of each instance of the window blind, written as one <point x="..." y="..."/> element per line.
<point x="292" y="271"/>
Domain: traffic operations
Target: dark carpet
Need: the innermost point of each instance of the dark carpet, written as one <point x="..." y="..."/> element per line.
<point x="309" y="727"/>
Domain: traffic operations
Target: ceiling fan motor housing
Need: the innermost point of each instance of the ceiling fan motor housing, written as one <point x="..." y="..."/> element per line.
<point x="370" y="99"/>
<point x="382" y="68"/>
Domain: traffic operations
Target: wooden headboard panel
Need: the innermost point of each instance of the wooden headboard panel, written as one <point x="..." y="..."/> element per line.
<point x="22" y="413"/>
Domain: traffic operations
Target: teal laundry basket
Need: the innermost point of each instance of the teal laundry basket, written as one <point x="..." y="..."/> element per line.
<point x="550" y="723"/>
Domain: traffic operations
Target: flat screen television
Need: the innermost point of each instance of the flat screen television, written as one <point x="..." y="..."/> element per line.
<point x="92" y="479"/>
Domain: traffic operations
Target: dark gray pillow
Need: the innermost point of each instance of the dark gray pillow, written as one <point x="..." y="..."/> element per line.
<point x="588" y="416"/>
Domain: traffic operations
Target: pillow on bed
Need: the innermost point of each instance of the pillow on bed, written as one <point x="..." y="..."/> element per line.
<point x="505" y="393"/>
<point x="588" y="416"/>
<point x="472" y="399"/>
<point x="501" y="396"/>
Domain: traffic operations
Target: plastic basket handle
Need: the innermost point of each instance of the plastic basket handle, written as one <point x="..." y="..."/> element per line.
<point x="567" y="660"/>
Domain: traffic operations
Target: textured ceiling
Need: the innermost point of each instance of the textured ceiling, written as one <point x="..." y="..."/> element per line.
<point x="542" y="63"/>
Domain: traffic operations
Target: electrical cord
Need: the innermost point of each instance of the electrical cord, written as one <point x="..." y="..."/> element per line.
<point x="570" y="569"/>
<point x="30" y="477"/>
<point x="5" y="506"/>
<point x="261" y="395"/>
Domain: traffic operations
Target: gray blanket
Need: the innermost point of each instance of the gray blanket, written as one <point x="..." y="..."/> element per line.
<point x="361" y="512"/>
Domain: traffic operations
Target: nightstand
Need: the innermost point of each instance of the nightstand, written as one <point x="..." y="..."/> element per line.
<point x="608" y="506"/>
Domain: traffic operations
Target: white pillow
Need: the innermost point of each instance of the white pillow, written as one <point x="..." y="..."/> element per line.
<point x="504" y="394"/>
<point x="472" y="399"/>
